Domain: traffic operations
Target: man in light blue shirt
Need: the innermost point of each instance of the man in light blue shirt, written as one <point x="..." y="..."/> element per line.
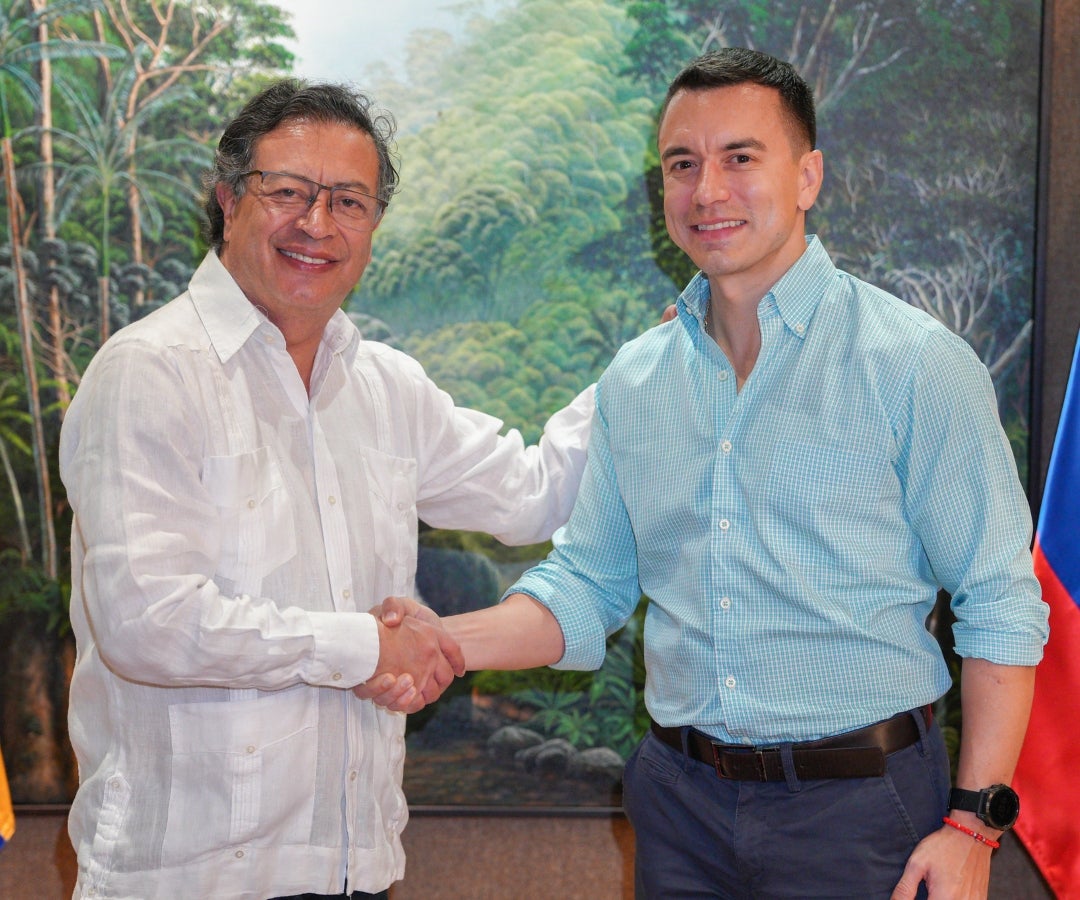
<point x="790" y="470"/>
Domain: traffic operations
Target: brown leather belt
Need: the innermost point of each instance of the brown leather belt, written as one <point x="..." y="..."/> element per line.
<point x="853" y="754"/>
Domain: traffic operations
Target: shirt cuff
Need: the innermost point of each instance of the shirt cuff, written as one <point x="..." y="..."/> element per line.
<point x="584" y="641"/>
<point x="346" y="649"/>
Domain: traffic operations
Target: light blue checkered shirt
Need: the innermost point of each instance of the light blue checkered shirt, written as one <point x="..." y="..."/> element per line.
<point x="792" y="535"/>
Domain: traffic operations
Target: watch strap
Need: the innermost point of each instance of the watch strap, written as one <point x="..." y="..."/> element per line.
<point x="968" y="801"/>
<point x="997" y="806"/>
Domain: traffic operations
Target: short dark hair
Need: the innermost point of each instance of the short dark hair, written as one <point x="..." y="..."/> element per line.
<point x="737" y="65"/>
<point x="284" y="101"/>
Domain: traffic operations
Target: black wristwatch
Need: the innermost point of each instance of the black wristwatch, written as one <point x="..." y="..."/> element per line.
<point x="998" y="805"/>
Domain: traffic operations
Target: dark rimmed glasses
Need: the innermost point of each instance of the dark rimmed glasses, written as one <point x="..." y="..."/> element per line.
<point x="294" y="195"/>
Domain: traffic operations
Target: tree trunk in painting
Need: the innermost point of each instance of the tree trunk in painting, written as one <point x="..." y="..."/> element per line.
<point x="39" y="761"/>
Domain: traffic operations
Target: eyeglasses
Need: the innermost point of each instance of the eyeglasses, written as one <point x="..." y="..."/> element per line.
<point x="293" y="195"/>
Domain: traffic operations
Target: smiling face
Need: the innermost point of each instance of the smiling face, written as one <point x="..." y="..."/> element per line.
<point x="737" y="185"/>
<point x="300" y="268"/>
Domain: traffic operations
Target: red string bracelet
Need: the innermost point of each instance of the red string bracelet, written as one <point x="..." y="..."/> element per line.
<point x="981" y="838"/>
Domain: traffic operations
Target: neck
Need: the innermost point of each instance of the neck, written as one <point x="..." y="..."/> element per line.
<point x="737" y="333"/>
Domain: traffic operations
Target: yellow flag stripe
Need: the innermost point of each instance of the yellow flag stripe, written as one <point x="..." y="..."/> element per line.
<point x="7" y="814"/>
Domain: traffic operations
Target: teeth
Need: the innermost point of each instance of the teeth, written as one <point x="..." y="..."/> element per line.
<point x="719" y="226"/>
<point x="305" y="259"/>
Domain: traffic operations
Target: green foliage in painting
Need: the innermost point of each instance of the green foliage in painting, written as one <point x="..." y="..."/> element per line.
<point x="518" y="158"/>
<point x="605" y="708"/>
<point x="527" y="243"/>
<point x="26" y="589"/>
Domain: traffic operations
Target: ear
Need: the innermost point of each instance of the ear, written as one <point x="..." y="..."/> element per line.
<point x="227" y="200"/>
<point x="811" y="174"/>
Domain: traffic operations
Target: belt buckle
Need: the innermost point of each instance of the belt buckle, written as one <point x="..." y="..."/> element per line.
<point x="719" y="753"/>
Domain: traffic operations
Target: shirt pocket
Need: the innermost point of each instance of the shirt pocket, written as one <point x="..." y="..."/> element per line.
<point x="393" y="524"/>
<point x="824" y="490"/>
<point x="258" y="530"/>
<point x="242" y="771"/>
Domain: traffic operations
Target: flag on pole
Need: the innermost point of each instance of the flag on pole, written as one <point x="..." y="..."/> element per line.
<point x="7" y="814"/>
<point x="1046" y="777"/>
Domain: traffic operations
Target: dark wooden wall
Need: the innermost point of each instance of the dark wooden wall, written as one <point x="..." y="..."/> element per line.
<point x="1057" y="318"/>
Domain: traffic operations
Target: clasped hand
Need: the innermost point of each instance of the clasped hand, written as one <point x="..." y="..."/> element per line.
<point x="417" y="657"/>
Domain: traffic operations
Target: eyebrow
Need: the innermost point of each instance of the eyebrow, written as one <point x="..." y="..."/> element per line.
<point x="741" y="144"/>
<point x="361" y="186"/>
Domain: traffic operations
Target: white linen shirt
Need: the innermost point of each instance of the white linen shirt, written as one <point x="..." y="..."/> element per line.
<point x="229" y="532"/>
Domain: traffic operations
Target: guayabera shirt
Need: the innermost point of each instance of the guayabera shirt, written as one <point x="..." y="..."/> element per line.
<point x="230" y="531"/>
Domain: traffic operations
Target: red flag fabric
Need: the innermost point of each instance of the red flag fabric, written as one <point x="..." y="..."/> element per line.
<point x="1046" y="777"/>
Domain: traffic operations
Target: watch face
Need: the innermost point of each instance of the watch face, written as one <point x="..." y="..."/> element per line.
<point x="1002" y="808"/>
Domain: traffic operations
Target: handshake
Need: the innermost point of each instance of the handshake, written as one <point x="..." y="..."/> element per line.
<point x="418" y="658"/>
<point x="419" y="654"/>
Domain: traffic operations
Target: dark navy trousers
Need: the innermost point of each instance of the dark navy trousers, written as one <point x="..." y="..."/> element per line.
<point x="700" y="836"/>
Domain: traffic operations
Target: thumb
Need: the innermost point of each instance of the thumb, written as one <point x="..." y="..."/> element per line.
<point x="907" y="887"/>
<point x="452" y="651"/>
<point x="393" y="611"/>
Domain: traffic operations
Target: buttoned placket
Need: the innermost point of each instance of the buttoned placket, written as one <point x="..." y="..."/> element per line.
<point x="722" y="402"/>
<point x="731" y="406"/>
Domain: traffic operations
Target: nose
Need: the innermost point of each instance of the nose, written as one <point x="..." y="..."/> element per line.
<point x="317" y="220"/>
<point x="712" y="184"/>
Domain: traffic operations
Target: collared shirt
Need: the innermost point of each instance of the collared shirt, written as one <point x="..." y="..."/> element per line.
<point x="792" y="535"/>
<point x="230" y="531"/>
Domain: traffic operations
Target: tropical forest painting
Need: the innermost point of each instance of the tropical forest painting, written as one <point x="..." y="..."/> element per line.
<point x="525" y="246"/>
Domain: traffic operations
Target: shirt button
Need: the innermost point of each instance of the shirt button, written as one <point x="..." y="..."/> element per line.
<point x="352" y="776"/>
<point x="722" y="375"/>
<point x="251" y="504"/>
<point x="239" y="854"/>
<point x="725" y="446"/>
<point x="250" y="748"/>
<point x="331" y="499"/>
<point x="800" y="328"/>
<point x="725" y="603"/>
<point x="346" y="593"/>
<point x="729" y="682"/>
<point x="336" y="676"/>
<point x="724" y="524"/>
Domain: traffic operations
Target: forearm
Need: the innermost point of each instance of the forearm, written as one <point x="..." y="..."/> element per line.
<point x="519" y="633"/>
<point x="211" y="640"/>
<point x="996" y="703"/>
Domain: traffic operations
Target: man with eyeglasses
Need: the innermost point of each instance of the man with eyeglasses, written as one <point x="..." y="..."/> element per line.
<point x="246" y="474"/>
